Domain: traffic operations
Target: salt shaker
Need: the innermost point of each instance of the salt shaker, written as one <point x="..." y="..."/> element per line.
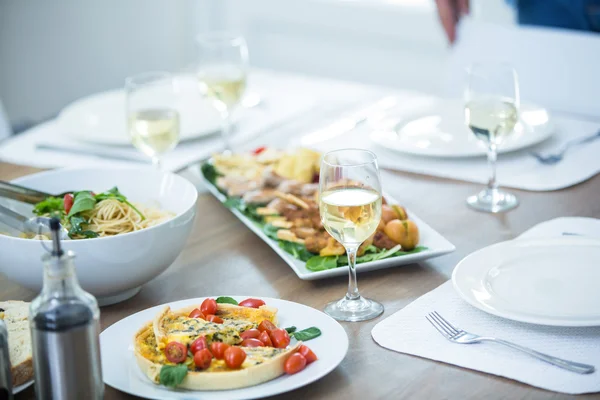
<point x="65" y="331"/>
<point x="5" y="375"/>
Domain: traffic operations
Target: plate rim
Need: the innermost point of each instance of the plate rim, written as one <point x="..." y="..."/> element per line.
<point x="447" y="248"/>
<point x="326" y="372"/>
<point x="549" y="131"/>
<point x="527" y="318"/>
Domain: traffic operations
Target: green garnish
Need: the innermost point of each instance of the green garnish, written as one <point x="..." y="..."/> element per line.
<point x="82" y="201"/>
<point x="172" y="375"/>
<point x="307" y="334"/>
<point x="291" y="329"/>
<point x="77" y="229"/>
<point x="297" y="250"/>
<point x="226" y="300"/>
<point x="49" y="205"/>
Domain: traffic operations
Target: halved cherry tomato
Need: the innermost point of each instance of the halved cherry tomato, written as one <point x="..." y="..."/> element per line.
<point x="214" y="318"/>
<point x="295" y="363"/>
<point x="266" y="339"/>
<point x="234" y="357"/>
<point x="259" y="150"/>
<point x="196" y="313"/>
<point x="308" y="354"/>
<point x="250" y="333"/>
<point x="218" y="349"/>
<point x="266" y="325"/>
<point x="175" y="352"/>
<point x="253" y="303"/>
<point x="202" y="359"/>
<point x="251" y="342"/>
<point x="68" y="202"/>
<point x="280" y="338"/>
<point x="198" y="344"/>
<point x="209" y="306"/>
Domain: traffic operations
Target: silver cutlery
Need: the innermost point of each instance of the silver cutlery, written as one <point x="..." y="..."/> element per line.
<point x="29" y="226"/>
<point x="457" y="335"/>
<point x="97" y="152"/>
<point x="555" y="158"/>
<point x="23" y="194"/>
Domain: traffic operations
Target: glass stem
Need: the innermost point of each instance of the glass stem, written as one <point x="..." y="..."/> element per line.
<point x="492" y="156"/>
<point x="226" y="131"/>
<point x="352" y="283"/>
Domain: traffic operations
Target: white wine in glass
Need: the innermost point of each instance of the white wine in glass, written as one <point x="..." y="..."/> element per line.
<point x="153" y="121"/>
<point x="491" y="113"/>
<point x="222" y="72"/>
<point x="350" y="209"/>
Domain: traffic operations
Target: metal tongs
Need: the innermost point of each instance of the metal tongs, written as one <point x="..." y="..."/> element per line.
<point x="29" y="226"/>
<point x="23" y="194"/>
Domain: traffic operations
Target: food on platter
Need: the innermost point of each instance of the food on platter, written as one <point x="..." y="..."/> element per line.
<point x="86" y="214"/>
<point x="15" y="315"/>
<point x="278" y="190"/>
<point x="220" y="345"/>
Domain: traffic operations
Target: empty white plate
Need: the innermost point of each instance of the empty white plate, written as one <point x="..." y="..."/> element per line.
<point x="436" y="128"/>
<point x="100" y="118"/>
<point x="551" y="281"/>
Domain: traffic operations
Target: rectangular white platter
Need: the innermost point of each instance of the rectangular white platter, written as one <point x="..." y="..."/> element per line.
<point x="436" y="244"/>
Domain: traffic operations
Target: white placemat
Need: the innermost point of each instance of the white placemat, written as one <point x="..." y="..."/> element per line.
<point x="407" y="331"/>
<point x="517" y="169"/>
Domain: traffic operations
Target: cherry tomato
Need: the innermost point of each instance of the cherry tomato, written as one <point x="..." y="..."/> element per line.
<point x="196" y="313"/>
<point x="175" y="352"/>
<point x="214" y="318"/>
<point x="218" y="349"/>
<point x="266" y="325"/>
<point x="250" y="334"/>
<point x="266" y="339"/>
<point x="295" y="363"/>
<point x="253" y="303"/>
<point x="308" y="354"/>
<point x="280" y="338"/>
<point x="68" y="202"/>
<point x="202" y="359"/>
<point x="234" y="357"/>
<point x="199" y="344"/>
<point x="259" y="150"/>
<point x="209" y="306"/>
<point x="251" y="342"/>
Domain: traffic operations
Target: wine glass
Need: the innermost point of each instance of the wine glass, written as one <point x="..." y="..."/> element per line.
<point x="152" y="117"/>
<point x="350" y="208"/>
<point x="222" y="72"/>
<point x="491" y="112"/>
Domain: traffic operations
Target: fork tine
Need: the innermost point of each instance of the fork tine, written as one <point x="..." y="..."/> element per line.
<point x="446" y="323"/>
<point x="434" y="323"/>
<point x="443" y="326"/>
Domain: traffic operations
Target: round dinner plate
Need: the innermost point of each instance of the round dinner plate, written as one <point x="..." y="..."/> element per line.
<point x="436" y="128"/>
<point x="551" y="281"/>
<point x="121" y="371"/>
<point x="100" y="118"/>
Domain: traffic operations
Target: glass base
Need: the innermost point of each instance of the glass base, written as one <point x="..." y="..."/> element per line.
<point x="359" y="309"/>
<point x="492" y="200"/>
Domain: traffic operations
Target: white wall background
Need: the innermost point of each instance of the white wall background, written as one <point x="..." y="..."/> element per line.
<point x="53" y="52"/>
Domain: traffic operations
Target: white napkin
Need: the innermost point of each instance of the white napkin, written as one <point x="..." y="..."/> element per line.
<point x="407" y="331"/>
<point x="516" y="170"/>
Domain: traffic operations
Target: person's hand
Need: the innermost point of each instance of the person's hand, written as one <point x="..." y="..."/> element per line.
<point x="450" y="12"/>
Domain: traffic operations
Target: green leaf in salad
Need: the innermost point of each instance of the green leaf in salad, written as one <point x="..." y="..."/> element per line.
<point x="290" y="329"/>
<point x="307" y="334"/>
<point x="115" y="194"/>
<point x="49" y="205"/>
<point x="210" y="173"/>
<point x="172" y="375"/>
<point x="296" y="249"/>
<point x="319" y="263"/>
<point x="249" y="211"/>
<point x="82" y="201"/>
<point x="226" y="300"/>
<point x="271" y="231"/>
<point x="77" y="223"/>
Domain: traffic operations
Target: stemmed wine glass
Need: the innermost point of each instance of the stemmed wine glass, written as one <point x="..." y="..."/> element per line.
<point x="350" y="208"/>
<point x="491" y="112"/>
<point x="153" y="121"/>
<point x="222" y="72"/>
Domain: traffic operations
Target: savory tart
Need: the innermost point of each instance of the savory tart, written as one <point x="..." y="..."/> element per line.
<point x="16" y="317"/>
<point x="228" y="346"/>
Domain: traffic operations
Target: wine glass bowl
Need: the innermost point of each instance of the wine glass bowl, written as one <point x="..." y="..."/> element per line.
<point x="350" y="208"/>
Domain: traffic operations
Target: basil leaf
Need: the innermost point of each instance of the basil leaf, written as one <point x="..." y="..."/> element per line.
<point x="49" y="205"/>
<point x="320" y="263"/>
<point x="307" y="334"/>
<point x="83" y="201"/>
<point x="77" y="222"/>
<point x="172" y="375"/>
<point x="226" y="300"/>
<point x="291" y="329"/>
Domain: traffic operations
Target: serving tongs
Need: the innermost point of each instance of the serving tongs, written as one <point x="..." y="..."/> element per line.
<point x="29" y="226"/>
<point x="23" y="194"/>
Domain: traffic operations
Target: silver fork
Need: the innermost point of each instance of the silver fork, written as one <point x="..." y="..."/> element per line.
<point x="557" y="157"/>
<point x="457" y="335"/>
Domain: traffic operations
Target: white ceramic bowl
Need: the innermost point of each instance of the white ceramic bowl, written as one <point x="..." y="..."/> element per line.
<point x="111" y="268"/>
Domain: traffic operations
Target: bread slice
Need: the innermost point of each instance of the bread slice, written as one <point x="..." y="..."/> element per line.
<point x="16" y="317"/>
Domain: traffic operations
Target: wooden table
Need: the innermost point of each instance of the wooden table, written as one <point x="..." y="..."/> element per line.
<point x="228" y="258"/>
